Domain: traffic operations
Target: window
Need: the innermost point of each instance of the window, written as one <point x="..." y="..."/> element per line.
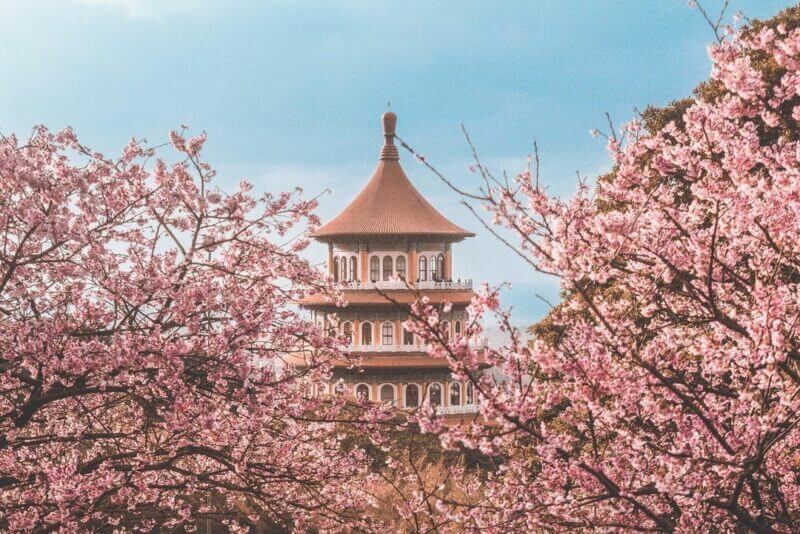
<point x="470" y="393"/>
<point x="423" y="269"/>
<point x="455" y="394"/>
<point x="400" y="266"/>
<point x="435" y="394"/>
<point x="366" y="334"/>
<point x="374" y="268"/>
<point x="339" y="388"/>
<point x="353" y="269"/>
<point x="387" y="333"/>
<point x="412" y="396"/>
<point x="347" y="331"/>
<point x="408" y="337"/>
<point x="362" y="392"/>
<point x="387" y="268"/>
<point x="457" y="327"/>
<point x="440" y="267"/>
<point x="432" y="268"/>
<point x="446" y="329"/>
<point x="336" y="269"/>
<point x="387" y="393"/>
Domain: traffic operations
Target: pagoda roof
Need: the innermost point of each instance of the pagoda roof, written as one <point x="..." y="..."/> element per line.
<point x="393" y="361"/>
<point x="396" y="297"/>
<point x="389" y="205"/>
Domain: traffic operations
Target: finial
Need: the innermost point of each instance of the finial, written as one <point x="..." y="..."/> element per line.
<point x="389" y="151"/>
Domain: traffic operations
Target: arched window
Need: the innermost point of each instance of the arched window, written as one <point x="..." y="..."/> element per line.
<point x="387" y="333"/>
<point x="412" y="396"/>
<point x="387" y="268"/>
<point x="366" y="333"/>
<point x="387" y="393"/>
<point x="455" y="394"/>
<point x="343" y="269"/>
<point x="330" y="329"/>
<point x="408" y="337"/>
<point x="470" y="393"/>
<point x="435" y="394"/>
<point x="400" y="266"/>
<point x="353" y="268"/>
<point x="362" y="392"/>
<point x="347" y="331"/>
<point x="374" y="268"/>
<point x="423" y="269"/>
<point x="440" y="267"/>
<point x="446" y="329"/>
<point x="336" y="269"/>
<point x="339" y="388"/>
<point x="457" y="327"/>
<point x="432" y="268"/>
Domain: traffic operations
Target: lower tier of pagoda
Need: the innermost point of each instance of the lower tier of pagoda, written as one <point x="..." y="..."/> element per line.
<point x="404" y="360"/>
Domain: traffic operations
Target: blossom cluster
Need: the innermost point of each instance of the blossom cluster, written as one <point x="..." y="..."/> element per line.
<point x="145" y="319"/>
<point x="663" y="393"/>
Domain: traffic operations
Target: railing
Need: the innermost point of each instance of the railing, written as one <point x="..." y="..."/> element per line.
<point x="457" y="410"/>
<point x="385" y="348"/>
<point x="401" y="284"/>
<point x="479" y="343"/>
<point x="476" y="344"/>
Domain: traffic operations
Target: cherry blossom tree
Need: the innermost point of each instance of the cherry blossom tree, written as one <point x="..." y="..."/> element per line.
<point x="145" y="316"/>
<point x="663" y="393"/>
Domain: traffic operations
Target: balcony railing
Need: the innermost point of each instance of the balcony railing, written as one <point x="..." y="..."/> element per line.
<point x="401" y="284"/>
<point x="384" y="348"/>
<point x="476" y="344"/>
<point x="457" y="410"/>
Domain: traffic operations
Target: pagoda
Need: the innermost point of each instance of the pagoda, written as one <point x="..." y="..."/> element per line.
<point x="388" y="247"/>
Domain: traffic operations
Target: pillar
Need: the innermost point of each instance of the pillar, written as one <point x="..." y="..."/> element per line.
<point x="330" y="258"/>
<point x="412" y="263"/>
<point x="448" y="262"/>
<point x="362" y="258"/>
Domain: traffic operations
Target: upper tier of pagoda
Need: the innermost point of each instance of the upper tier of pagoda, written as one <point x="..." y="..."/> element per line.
<point x="389" y="205"/>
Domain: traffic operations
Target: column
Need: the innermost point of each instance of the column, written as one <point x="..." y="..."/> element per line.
<point x="330" y="258"/>
<point x="412" y="263"/>
<point x="362" y="258"/>
<point x="448" y="262"/>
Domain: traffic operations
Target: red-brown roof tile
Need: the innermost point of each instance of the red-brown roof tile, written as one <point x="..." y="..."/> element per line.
<point x="389" y="204"/>
<point x="374" y="297"/>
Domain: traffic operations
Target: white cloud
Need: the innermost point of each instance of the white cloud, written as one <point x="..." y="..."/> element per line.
<point x="147" y="9"/>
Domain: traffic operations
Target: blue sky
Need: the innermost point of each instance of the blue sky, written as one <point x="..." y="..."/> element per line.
<point x="290" y="92"/>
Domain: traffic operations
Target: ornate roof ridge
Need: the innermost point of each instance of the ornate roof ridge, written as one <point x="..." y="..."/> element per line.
<point x="390" y="204"/>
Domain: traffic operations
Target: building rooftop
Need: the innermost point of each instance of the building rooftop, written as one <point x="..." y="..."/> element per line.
<point x="397" y="297"/>
<point x="389" y="204"/>
<point x="383" y="361"/>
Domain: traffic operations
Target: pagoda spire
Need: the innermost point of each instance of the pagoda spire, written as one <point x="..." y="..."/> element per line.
<point x="389" y="150"/>
<point x="389" y="205"/>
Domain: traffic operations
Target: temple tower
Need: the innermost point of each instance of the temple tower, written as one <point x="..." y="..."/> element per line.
<point x="387" y="239"/>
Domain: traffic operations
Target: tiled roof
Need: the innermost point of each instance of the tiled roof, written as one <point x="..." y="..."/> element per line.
<point x="373" y="297"/>
<point x="400" y="361"/>
<point x="389" y="204"/>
